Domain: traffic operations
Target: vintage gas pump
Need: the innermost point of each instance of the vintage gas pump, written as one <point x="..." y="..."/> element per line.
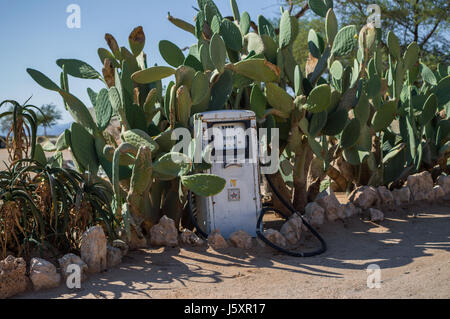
<point x="232" y="138"/>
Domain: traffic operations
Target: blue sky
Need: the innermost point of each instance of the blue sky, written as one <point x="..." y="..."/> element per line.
<point x="34" y="34"/>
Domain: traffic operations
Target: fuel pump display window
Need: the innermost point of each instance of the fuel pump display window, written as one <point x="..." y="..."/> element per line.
<point x="233" y="136"/>
<point x="230" y="141"/>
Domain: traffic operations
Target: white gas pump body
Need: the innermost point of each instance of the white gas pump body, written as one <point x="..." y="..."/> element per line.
<point x="238" y="206"/>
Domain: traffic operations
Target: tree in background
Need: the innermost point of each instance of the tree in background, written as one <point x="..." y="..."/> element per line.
<point x="423" y="21"/>
<point x="49" y="117"/>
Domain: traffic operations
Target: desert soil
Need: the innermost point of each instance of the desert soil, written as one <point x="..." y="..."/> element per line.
<point x="411" y="246"/>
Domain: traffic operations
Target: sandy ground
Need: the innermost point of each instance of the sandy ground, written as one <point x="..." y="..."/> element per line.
<point x="412" y="248"/>
<point x="4" y="157"/>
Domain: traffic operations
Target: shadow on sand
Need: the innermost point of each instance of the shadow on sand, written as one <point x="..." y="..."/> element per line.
<point x="404" y="236"/>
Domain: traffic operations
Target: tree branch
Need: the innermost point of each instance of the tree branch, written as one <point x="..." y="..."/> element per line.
<point x="428" y="36"/>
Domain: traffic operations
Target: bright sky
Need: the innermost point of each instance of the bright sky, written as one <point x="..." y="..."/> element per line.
<point x="34" y="34"/>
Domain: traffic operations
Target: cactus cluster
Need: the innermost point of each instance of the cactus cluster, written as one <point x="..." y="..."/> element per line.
<point x="146" y="180"/>
<point x="363" y="110"/>
<point x="358" y="111"/>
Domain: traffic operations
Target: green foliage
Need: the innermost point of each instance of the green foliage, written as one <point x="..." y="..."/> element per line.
<point x="335" y="93"/>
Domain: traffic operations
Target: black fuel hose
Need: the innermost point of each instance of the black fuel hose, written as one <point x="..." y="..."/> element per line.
<point x="260" y="231"/>
<point x="259" y="225"/>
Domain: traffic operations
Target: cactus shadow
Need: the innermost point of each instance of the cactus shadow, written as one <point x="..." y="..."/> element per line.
<point x="405" y="235"/>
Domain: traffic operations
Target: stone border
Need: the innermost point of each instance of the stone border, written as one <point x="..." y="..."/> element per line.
<point x="98" y="255"/>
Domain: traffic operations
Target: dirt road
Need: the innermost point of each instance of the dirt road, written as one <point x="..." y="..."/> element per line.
<point x="412" y="248"/>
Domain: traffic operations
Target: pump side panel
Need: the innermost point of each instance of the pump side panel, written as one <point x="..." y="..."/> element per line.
<point x="236" y="207"/>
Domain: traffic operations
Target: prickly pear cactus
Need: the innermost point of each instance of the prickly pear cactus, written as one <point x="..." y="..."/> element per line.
<point x="372" y="113"/>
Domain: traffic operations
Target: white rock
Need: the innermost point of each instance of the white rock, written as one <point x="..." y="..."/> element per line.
<point x="113" y="256"/>
<point x="118" y="243"/>
<point x="188" y="237"/>
<point x="444" y="182"/>
<point x="314" y="214"/>
<point x="72" y="259"/>
<point x="421" y="185"/>
<point x="401" y="196"/>
<point x="13" y="279"/>
<point x="216" y="240"/>
<point x="376" y="215"/>
<point x="438" y="192"/>
<point x="275" y="237"/>
<point x="93" y="249"/>
<point x="364" y="197"/>
<point x="43" y="274"/>
<point x="241" y="239"/>
<point x="164" y="233"/>
<point x="351" y="210"/>
<point x="292" y="229"/>
<point x="386" y="197"/>
<point x="328" y="201"/>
